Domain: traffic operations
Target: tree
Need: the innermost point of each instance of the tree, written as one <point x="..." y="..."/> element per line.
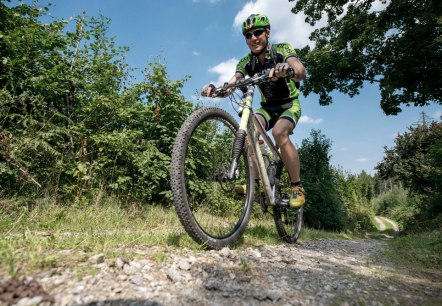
<point x="415" y="159"/>
<point x="324" y="208"/>
<point x="71" y="121"/>
<point x="398" y="47"/>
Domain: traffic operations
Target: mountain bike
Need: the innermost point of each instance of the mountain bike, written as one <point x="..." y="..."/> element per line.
<point x="215" y="164"/>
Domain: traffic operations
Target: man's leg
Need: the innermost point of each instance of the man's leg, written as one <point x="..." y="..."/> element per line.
<point x="289" y="154"/>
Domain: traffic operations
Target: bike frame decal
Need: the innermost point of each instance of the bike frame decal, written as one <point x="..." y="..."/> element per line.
<point x="246" y="113"/>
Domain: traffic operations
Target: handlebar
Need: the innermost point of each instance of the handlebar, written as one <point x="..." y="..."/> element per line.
<point x="259" y="78"/>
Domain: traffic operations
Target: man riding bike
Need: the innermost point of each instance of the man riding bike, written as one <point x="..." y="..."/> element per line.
<point x="280" y="108"/>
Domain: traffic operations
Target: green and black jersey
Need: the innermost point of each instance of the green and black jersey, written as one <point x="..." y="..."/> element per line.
<point x="272" y="93"/>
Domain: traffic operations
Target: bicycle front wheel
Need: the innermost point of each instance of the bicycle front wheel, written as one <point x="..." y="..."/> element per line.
<point x="213" y="209"/>
<point x="288" y="220"/>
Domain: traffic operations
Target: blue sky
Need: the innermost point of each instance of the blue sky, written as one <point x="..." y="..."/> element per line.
<point x="202" y="39"/>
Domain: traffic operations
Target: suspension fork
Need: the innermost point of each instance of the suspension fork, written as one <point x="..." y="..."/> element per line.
<point x="241" y="134"/>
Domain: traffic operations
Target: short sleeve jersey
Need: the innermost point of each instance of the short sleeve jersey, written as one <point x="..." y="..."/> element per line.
<point x="272" y="93"/>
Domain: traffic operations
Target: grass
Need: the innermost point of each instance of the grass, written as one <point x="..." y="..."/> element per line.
<point x="47" y="234"/>
<point x="44" y="234"/>
<point x="418" y="251"/>
<point x="261" y="230"/>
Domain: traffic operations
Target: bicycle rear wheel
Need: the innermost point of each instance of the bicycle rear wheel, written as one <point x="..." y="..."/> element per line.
<point x="208" y="207"/>
<point x="288" y="220"/>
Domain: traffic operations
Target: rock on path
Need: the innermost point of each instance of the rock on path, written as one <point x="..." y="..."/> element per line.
<point x="314" y="272"/>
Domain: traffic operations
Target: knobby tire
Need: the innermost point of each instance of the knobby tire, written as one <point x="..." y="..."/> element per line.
<point x="210" y="210"/>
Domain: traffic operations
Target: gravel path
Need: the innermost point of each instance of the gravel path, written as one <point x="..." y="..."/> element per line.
<point x="381" y="221"/>
<point x="314" y="272"/>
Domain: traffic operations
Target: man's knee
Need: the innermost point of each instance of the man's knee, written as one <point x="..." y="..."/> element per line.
<point x="281" y="136"/>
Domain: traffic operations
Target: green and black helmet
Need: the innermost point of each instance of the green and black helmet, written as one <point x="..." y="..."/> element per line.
<point x="255" y="21"/>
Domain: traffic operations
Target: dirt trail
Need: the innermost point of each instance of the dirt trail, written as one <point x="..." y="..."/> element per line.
<point x="314" y="272"/>
<point x="382" y="224"/>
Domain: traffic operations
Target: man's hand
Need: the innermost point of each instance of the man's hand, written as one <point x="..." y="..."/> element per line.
<point x="208" y="91"/>
<point x="280" y="71"/>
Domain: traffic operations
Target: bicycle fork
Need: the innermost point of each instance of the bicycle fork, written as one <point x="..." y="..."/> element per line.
<point x="240" y="138"/>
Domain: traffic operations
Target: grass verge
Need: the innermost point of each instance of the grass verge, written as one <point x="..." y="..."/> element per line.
<point x="43" y="234"/>
<point x="418" y="251"/>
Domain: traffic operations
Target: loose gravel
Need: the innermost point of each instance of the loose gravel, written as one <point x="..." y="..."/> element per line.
<point x="313" y="272"/>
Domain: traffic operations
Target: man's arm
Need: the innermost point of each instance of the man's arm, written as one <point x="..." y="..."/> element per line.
<point x="298" y="68"/>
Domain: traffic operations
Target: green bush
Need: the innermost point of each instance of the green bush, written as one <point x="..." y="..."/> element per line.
<point x="362" y="219"/>
<point x="413" y="212"/>
<point x="73" y="122"/>
<point x="324" y="209"/>
<point x="356" y="192"/>
<point x="385" y="203"/>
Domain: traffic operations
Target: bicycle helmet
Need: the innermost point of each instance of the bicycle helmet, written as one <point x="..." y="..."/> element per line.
<point x="255" y="21"/>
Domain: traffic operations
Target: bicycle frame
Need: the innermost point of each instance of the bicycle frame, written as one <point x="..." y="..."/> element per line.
<point x="247" y="162"/>
<point x="247" y="130"/>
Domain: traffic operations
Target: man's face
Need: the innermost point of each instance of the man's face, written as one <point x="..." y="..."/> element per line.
<point x="257" y="39"/>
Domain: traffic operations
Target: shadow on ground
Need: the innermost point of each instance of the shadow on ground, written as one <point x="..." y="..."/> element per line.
<point x="385" y="234"/>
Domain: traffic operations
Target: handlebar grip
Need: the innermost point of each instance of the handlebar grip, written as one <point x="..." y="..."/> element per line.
<point x="290" y="72"/>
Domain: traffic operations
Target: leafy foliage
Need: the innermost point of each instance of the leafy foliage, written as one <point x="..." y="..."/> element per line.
<point x="72" y="122"/>
<point x="324" y="208"/>
<point x="357" y="192"/>
<point x="398" y="47"/>
<point x="335" y="200"/>
<point x="415" y="162"/>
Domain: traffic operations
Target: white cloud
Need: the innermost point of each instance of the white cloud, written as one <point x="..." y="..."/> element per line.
<point x="285" y="26"/>
<point x="362" y="160"/>
<point x="196" y="53"/>
<point x="437" y="115"/>
<point x="307" y="119"/>
<point x="225" y="70"/>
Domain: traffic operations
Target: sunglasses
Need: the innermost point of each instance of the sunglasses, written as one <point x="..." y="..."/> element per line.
<point x="255" y="33"/>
